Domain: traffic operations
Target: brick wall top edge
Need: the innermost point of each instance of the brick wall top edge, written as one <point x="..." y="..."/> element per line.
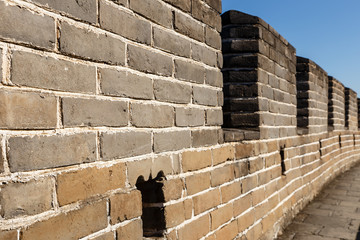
<point x="309" y="61"/>
<point x="350" y="91"/>
<point x="236" y="17"/>
<point x="332" y="79"/>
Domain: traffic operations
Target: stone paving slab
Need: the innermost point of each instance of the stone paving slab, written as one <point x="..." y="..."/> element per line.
<point x="333" y="215"/>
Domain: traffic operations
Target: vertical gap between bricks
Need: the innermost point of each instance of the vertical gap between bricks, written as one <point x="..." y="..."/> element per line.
<point x="97" y="13"/>
<point x="54" y="194"/>
<point x="98" y="81"/>
<point x="4" y="147"/>
<point x="98" y="146"/>
<point x="59" y="113"/>
<point x="57" y="34"/>
<point x="6" y="66"/>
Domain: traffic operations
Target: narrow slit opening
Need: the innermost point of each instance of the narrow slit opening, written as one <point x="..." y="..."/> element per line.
<point x="153" y="199"/>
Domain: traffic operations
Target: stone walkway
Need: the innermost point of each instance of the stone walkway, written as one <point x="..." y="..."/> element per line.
<point x="333" y="215"/>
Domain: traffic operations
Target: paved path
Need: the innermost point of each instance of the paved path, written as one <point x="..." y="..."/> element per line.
<point x="333" y="215"/>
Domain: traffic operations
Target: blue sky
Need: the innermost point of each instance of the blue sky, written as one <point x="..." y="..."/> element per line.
<point x="325" y="31"/>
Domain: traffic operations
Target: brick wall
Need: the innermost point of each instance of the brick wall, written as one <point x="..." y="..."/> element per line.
<point x="312" y="97"/>
<point x="259" y="77"/>
<point x="351" y="115"/>
<point x="336" y="105"/>
<point x="110" y="124"/>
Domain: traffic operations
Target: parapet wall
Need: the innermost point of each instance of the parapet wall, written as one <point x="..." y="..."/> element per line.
<point x="111" y="123"/>
<point x="312" y="86"/>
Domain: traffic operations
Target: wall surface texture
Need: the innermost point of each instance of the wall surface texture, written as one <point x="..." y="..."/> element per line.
<point x="111" y="122"/>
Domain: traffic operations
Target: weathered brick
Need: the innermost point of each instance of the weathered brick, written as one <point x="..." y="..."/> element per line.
<point x="125" y="144"/>
<point x="131" y="231"/>
<point x="189" y="117"/>
<point x="92" y="112"/>
<point x="214" y="78"/>
<point x="148" y="61"/>
<point x="21" y="25"/>
<point x="195" y="160"/>
<point x="171" y="141"/>
<point x="173" y="189"/>
<point x="187" y="26"/>
<point x="151" y="9"/>
<point x="197" y="183"/>
<point x="162" y="163"/>
<point x="214" y="117"/>
<point x="135" y="28"/>
<point x="204" y="137"/>
<point x="156" y="116"/>
<point x="170" y="42"/>
<point x="230" y="192"/>
<point x="204" y="54"/>
<point x="189" y="71"/>
<point x="222" y="154"/>
<point x="212" y="38"/>
<point x="135" y="169"/>
<point x="38" y="198"/>
<point x="206" y="14"/>
<point x="32" y="152"/>
<point x="222" y="175"/>
<point x="125" y="84"/>
<point x="9" y="234"/>
<point x="188" y="205"/>
<point x="205" y="96"/>
<point x="90" y="45"/>
<point x="83" y="10"/>
<point x="172" y="92"/>
<point x="125" y="206"/>
<point x="221" y="216"/>
<point x="195" y="229"/>
<point x="32" y="70"/>
<point x="246" y="220"/>
<point x="85" y="183"/>
<point x="228" y="232"/>
<point x="245" y="150"/>
<point x="72" y="225"/>
<point x="182" y="4"/>
<point x="174" y="214"/>
<point x="206" y="201"/>
<point x="22" y="110"/>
